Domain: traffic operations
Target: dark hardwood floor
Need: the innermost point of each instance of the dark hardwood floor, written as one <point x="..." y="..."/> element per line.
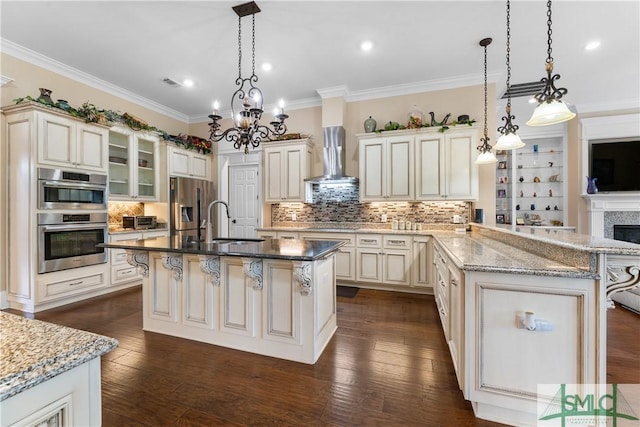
<point x="387" y="365"/>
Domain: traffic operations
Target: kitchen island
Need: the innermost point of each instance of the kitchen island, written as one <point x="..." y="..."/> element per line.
<point x="271" y="297"/>
<point x="49" y="374"/>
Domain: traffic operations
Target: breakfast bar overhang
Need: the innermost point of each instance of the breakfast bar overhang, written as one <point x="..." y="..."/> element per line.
<point x="271" y="297"/>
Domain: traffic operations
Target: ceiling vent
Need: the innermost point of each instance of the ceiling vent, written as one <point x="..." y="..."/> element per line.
<point x="524" y="89"/>
<point x="171" y="82"/>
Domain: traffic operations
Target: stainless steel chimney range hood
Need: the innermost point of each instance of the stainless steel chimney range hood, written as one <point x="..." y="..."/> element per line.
<point x="333" y="155"/>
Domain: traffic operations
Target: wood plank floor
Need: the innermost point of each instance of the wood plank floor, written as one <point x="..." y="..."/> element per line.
<point x="387" y="365"/>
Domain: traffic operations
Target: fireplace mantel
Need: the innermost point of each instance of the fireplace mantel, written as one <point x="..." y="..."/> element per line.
<point x="598" y="204"/>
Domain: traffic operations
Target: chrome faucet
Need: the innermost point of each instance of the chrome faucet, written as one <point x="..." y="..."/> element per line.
<point x="209" y="236"/>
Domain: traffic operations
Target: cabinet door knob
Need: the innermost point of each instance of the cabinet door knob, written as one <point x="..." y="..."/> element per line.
<point x="233" y="221"/>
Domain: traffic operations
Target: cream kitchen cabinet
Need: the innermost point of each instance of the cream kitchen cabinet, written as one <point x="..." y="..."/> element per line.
<point x="188" y="163"/>
<point x="286" y="165"/>
<point x="345" y="256"/>
<point x="121" y="271"/>
<point x="444" y="164"/>
<point x="386" y="168"/>
<point x="68" y="143"/>
<point x="421" y="266"/>
<point x="134" y="157"/>
<point x="383" y="259"/>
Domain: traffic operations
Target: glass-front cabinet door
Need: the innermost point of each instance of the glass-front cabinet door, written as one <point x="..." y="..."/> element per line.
<point x="119" y="164"/>
<point x="146" y="168"/>
<point x="133" y="172"/>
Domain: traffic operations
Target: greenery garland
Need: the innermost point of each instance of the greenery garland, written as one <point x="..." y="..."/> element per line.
<point x="92" y="114"/>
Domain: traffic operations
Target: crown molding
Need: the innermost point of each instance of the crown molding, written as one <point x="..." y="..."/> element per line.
<point x="333" y="92"/>
<point x="35" y="58"/>
<point x="631" y="104"/>
<point x="4" y="80"/>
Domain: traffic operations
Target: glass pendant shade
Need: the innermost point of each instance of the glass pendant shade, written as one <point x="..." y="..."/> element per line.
<point x="485" y="158"/>
<point x="550" y="113"/>
<point x="509" y="141"/>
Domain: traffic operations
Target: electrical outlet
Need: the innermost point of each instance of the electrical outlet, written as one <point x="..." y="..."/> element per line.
<point x="383" y="218"/>
<point x="294" y="217"/>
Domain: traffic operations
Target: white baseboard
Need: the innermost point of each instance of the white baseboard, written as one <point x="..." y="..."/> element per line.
<point x="4" y="303"/>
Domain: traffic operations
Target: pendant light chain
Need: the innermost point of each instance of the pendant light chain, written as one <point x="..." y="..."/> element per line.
<point x="486" y="131"/>
<point x="508" y="57"/>
<point x="549" y="57"/>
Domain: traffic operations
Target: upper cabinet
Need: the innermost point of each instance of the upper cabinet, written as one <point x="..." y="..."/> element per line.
<point x="133" y="165"/>
<point x="67" y="143"/>
<point x="419" y="165"/>
<point x="188" y="163"/>
<point x="286" y="165"/>
<point x="386" y="168"/>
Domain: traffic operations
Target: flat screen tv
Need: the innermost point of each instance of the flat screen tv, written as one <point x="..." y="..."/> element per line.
<point x="616" y="164"/>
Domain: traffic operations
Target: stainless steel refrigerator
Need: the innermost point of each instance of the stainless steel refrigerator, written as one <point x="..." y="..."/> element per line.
<point x="189" y="200"/>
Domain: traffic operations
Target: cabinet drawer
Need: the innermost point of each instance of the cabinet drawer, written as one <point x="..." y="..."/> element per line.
<point x="118" y="256"/>
<point x="124" y="273"/>
<point x="73" y="285"/>
<point x="370" y="241"/>
<point x="349" y="239"/>
<point x="397" y="242"/>
<point x="291" y="235"/>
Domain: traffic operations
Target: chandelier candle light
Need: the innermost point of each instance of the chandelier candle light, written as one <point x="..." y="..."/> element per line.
<point x="509" y="139"/>
<point x="485" y="156"/>
<point x="247" y="129"/>
<point x="550" y="109"/>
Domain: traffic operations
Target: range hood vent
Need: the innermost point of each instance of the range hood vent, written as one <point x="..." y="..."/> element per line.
<point x="333" y="155"/>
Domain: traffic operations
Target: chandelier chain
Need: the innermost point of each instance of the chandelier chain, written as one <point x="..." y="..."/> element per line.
<point x="485" y="93"/>
<point x="549" y="57"/>
<point x="253" y="45"/>
<point x="239" y="47"/>
<point x="508" y="54"/>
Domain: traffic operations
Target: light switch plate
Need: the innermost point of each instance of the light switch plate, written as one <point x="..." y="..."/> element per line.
<point x="383" y="218"/>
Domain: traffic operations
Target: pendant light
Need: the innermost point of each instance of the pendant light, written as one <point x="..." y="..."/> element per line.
<point x="509" y="139"/>
<point x="485" y="156"/>
<point x="550" y="109"/>
<point x="246" y="102"/>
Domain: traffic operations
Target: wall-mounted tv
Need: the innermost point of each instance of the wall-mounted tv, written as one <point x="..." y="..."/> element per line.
<point x="616" y="164"/>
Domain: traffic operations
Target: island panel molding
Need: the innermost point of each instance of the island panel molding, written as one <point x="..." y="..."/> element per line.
<point x="211" y="265"/>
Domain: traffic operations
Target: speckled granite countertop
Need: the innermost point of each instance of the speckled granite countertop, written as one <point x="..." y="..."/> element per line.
<point x="32" y="351"/>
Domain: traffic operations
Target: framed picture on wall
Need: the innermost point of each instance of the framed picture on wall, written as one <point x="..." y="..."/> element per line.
<point x="520" y="221"/>
<point x="500" y="219"/>
<point x="502" y="165"/>
<point x="501" y="193"/>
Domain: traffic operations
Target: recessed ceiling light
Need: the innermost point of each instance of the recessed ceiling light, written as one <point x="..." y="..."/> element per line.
<point x="266" y="66"/>
<point x="187" y="83"/>
<point x="592" y="45"/>
<point x="366" y="46"/>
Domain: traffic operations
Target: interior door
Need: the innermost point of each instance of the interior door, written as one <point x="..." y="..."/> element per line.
<point x="243" y="200"/>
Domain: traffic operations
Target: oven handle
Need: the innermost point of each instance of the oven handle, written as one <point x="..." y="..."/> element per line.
<point x="75" y="185"/>
<point x="74" y="226"/>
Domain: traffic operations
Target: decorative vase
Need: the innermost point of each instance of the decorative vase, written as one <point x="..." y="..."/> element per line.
<point x="529" y="321"/>
<point x="45" y="96"/>
<point x="416" y="117"/>
<point x="63" y="104"/>
<point x="370" y="125"/>
<point x="591" y="185"/>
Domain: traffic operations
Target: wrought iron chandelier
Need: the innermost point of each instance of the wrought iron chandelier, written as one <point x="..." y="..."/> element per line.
<point x="485" y="156"/>
<point x="247" y="101"/>
<point x="509" y="139"/>
<point x="550" y="109"/>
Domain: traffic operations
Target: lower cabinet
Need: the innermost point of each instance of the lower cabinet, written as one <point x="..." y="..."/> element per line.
<point x="383" y="259"/>
<point x="345" y="256"/>
<point x="121" y="271"/>
<point x="68" y="284"/>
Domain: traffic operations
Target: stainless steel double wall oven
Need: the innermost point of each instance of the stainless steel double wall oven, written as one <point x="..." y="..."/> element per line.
<point x="72" y="219"/>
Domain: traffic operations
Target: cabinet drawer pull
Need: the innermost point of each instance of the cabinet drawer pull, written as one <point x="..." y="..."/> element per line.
<point x="127" y="271"/>
<point x="288" y="237"/>
<point x="397" y="242"/>
<point x="454" y="282"/>
<point x="76" y="283"/>
<point x="442" y="283"/>
<point x="368" y="241"/>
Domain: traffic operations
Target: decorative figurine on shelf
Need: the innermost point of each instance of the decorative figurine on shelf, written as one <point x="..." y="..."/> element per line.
<point x="517" y="207"/>
<point x="548" y="208"/>
<point x="536" y="179"/>
<point x="550" y="164"/>
<point x="436" y="123"/>
<point x="45" y="96"/>
<point x="555" y="208"/>
<point x="521" y="193"/>
<point x="554" y="178"/>
<point x="550" y="193"/>
<point x="521" y="179"/>
<point x="533" y="207"/>
<point x="370" y="125"/>
<point x="535" y="194"/>
<point x="591" y="185"/>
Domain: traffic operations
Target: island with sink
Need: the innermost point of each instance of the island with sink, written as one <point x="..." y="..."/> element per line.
<point x="271" y="297"/>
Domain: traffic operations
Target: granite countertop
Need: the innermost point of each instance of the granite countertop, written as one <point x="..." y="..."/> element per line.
<point x="293" y="250"/>
<point x="33" y="351"/>
<point x="474" y="252"/>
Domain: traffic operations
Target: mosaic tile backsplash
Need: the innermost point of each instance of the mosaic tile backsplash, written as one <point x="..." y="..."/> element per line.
<point x="340" y="204"/>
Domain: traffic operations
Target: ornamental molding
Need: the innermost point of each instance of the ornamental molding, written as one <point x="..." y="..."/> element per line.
<point x="621" y="278"/>
<point x="252" y="268"/>
<point x="140" y="260"/>
<point x="211" y="265"/>
<point x="173" y="263"/>
<point x="302" y="276"/>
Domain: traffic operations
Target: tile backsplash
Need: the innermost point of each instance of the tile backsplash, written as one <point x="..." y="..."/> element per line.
<point x="340" y="204"/>
<point x="119" y="209"/>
